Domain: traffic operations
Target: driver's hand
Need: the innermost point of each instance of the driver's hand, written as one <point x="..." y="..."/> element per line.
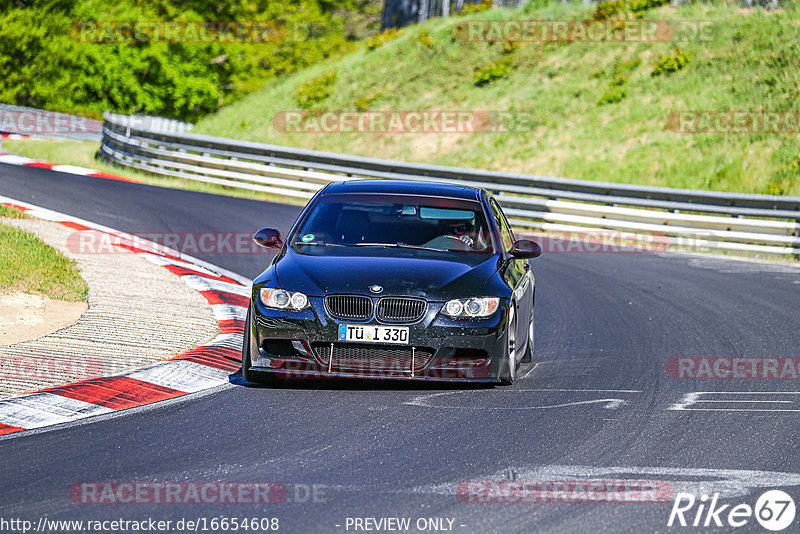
<point x="467" y="239"/>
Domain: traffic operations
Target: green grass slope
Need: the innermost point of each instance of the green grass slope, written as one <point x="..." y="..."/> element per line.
<point x="598" y="111"/>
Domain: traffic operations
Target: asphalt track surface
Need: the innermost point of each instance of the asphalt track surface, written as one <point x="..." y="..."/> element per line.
<point x="597" y="405"/>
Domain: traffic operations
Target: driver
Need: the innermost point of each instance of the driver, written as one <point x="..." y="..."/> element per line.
<point x="463" y="231"/>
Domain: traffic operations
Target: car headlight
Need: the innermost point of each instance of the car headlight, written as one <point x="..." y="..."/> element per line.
<point x="280" y="299"/>
<point x="474" y="307"/>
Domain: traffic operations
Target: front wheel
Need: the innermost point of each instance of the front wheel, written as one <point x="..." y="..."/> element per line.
<point x="247" y="374"/>
<point x="528" y="356"/>
<point x="509" y="366"/>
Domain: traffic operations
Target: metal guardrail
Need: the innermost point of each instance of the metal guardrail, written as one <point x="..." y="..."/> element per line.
<point x="151" y="124"/>
<point x="23" y="120"/>
<point x="682" y="217"/>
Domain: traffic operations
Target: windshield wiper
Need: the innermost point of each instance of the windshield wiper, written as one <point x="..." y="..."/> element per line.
<point x="317" y="244"/>
<point x="419" y="247"/>
<point x="398" y="245"/>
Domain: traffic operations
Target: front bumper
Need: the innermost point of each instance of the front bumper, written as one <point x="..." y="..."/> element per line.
<point x="306" y="344"/>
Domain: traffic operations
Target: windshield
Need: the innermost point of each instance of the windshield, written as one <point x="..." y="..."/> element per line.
<point x="425" y="223"/>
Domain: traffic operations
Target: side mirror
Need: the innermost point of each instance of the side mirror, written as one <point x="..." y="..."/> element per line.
<point x="525" y="249"/>
<point x="269" y="238"/>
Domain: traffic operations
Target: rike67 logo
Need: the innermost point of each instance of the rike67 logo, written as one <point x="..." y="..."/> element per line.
<point x="774" y="510"/>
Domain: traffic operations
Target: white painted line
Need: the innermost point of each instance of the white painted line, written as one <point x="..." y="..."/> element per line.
<point x="749" y="392"/>
<point x="72" y="169"/>
<point x="181" y="375"/>
<point x="587" y="390"/>
<point x="719" y="258"/>
<point x="610" y="404"/>
<point x="736" y="410"/>
<point x="226" y="312"/>
<point x="60" y="405"/>
<point x="532" y="369"/>
<point x="13" y="159"/>
<point x="751" y="401"/>
<point x="695" y="398"/>
<point x="231" y="341"/>
<point x="124" y="413"/>
<point x="163" y="260"/>
<point x="425" y="400"/>
<point x="202" y="283"/>
<point x="43" y="409"/>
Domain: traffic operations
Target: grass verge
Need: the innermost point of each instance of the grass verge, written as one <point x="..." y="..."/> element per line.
<point x="11" y="213"/>
<point x="28" y="264"/>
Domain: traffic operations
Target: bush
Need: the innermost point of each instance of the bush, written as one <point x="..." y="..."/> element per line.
<point x="510" y="46"/>
<point x="611" y="9"/>
<point x="316" y="91"/>
<point x="490" y="73"/>
<point x="381" y="38"/>
<point x="670" y="63"/>
<point x="613" y="94"/>
<point x="425" y="38"/>
<point x="46" y="62"/>
<point x="784" y="178"/>
<point x="625" y="67"/>
<point x="471" y="9"/>
<point x="608" y="9"/>
<point x="534" y="5"/>
<point x="640" y="6"/>
<point x="619" y="79"/>
<point x="364" y="102"/>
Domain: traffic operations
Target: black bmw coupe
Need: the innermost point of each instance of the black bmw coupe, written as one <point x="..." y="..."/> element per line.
<point x="394" y="280"/>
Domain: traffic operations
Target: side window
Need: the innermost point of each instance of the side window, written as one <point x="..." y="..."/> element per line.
<point x="502" y="225"/>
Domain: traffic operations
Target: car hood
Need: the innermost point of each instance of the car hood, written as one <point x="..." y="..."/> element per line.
<point x="411" y="273"/>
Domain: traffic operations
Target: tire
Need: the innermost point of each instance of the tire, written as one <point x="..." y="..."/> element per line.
<point x="254" y="376"/>
<point x="509" y="367"/>
<point x="528" y="356"/>
<point x="247" y="374"/>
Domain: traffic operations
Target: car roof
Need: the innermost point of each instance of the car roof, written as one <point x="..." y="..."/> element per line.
<point x="405" y="187"/>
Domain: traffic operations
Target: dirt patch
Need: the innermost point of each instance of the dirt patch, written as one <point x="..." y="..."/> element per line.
<point x="24" y="316"/>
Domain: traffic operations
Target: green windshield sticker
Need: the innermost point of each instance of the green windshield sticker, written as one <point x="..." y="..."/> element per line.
<point x="306" y="238"/>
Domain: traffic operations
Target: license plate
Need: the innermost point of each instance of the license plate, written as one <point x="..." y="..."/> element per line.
<point x="368" y="333"/>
